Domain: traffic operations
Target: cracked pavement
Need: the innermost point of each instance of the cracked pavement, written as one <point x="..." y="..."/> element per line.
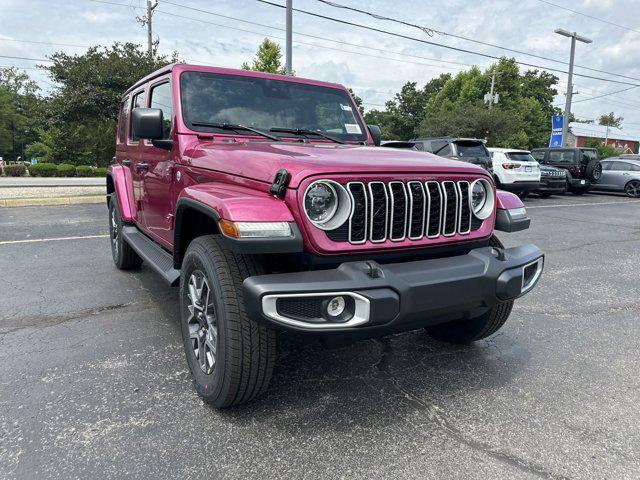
<point x="93" y="380"/>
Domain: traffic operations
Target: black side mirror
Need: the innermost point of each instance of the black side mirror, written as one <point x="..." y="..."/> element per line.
<point x="376" y="134"/>
<point x="147" y="123"/>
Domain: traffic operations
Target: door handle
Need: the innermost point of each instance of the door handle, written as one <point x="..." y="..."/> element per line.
<point x="142" y="165"/>
<point x="126" y="162"/>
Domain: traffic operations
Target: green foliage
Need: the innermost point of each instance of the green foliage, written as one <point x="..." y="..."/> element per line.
<point x="83" y="111"/>
<point x="604" y="151"/>
<point x="357" y="100"/>
<point x="15" y="170"/>
<point x="84" y="171"/>
<point x="43" y="170"/>
<point x="100" y="172"/>
<point x="610" y="120"/>
<point x="268" y="59"/>
<point x="66" y="170"/>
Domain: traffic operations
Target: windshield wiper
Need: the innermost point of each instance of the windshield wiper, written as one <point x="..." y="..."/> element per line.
<point x="232" y="126"/>
<point x="302" y="131"/>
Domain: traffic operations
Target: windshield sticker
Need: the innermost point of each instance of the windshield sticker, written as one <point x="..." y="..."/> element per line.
<point x="346" y="108"/>
<point x="352" y="128"/>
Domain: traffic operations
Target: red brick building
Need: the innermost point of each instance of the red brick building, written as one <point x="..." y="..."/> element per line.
<point x="616" y="137"/>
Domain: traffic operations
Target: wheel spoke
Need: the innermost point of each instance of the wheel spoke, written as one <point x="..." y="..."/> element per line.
<point x="201" y="321"/>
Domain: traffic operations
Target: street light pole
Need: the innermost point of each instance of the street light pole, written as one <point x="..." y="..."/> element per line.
<point x="289" y="38"/>
<point x="567" y="106"/>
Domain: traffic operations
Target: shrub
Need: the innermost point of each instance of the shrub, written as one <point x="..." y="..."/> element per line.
<point x="66" y="170"/>
<point x="15" y="170"/>
<point x="43" y="170"/>
<point x="100" y="172"/>
<point x="84" y="171"/>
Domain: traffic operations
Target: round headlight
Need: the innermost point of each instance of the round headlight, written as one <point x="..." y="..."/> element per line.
<point x="481" y="199"/>
<point x="326" y="204"/>
<point x="321" y="202"/>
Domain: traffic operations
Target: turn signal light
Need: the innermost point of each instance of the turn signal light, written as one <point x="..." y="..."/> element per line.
<point x="255" y="229"/>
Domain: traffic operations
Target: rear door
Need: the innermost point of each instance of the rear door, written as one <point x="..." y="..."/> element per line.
<point x="607" y="180"/>
<point x="133" y="156"/>
<point x="620" y="173"/>
<point x="159" y="169"/>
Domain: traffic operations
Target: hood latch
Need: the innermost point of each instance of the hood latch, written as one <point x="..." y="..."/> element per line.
<point x="280" y="183"/>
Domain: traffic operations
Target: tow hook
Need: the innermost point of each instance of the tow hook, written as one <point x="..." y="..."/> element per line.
<point x="280" y="183"/>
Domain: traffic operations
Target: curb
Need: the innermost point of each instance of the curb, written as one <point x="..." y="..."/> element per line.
<point x="28" y="202"/>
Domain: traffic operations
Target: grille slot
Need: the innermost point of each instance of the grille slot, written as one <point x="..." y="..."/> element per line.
<point x="398" y="210"/>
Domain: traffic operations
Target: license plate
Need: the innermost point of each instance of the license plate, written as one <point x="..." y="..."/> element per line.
<point x="527" y="169"/>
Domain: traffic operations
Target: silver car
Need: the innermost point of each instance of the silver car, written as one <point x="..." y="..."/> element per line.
<point x="621" y="175"/>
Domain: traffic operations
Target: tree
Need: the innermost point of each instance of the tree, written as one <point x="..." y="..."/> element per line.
<point x="82" y="112"/>
<point x="18" y="106"/>
<point x="604" y="150"/>
<point x="357" y="100"/>
<point x="610" y="120"/>
<point x="268" y="59"/>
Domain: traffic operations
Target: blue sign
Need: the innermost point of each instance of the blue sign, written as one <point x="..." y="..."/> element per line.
<point x="556" y="131"/>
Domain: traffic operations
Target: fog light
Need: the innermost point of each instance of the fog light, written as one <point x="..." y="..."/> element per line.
<point x="336" y="306"/>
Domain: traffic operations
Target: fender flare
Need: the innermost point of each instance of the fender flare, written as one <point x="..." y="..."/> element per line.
<point x="511" y="215"/>
<point x="217" y="201"/>
<point x="123" y="189"/>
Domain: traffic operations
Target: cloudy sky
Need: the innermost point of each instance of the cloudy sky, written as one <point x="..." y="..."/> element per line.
<point x="374" y="64"/>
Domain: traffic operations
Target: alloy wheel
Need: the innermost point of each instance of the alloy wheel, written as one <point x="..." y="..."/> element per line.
<point x="201" y="321"/>
<point x="114" y="231"/>
<point x="633" y="189"/>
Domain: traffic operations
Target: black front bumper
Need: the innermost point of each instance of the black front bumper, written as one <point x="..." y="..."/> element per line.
<point x="399" y="296"/>
<point x="552" y="185"/>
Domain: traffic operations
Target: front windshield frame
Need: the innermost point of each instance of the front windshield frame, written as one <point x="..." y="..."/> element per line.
<point x="345" y="99"/>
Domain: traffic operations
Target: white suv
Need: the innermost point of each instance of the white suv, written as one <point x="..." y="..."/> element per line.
<point x="515" y="170"/>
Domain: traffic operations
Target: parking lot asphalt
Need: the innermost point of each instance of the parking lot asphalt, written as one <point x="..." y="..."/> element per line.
<point x="94" y="383"/>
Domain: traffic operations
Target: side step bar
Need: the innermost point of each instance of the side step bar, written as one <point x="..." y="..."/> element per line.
<point x="152" y="253"/>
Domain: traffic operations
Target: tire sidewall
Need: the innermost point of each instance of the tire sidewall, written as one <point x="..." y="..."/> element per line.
<point x="209" y="386"/>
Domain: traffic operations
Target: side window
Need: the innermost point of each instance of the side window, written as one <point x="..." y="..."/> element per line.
<point x="124" y="115"/>
<point x="138" y="101"/>
<point x="620" y="166"/>
<point x="606" y="165"/>
<point x="161" y="98"/>
<point x="438" y="145"/>
<point x="539" y="155"/>
<point x="420" y="146"/>
<point x="565" y="156"/>
<point x="446" y="150"/>
<point x="635" y="167"/>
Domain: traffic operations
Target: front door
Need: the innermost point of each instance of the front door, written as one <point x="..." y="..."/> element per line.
<point x="158" y="178"/>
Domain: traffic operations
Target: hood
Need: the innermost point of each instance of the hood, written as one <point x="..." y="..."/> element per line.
<point x="261" y="160"/>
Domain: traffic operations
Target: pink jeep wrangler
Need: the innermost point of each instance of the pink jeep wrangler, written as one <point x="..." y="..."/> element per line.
<point x="269" y="201"/>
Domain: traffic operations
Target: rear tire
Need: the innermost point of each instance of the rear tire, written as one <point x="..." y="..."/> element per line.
<point x="579" y="191"/>
<point x="124" y="257"/>
<point x="214" y="321"/>
<point x="522" y="195"/>
<point x="473" y="329"/>
<point x="632" y="189"/>
<point x="544" y="195"/>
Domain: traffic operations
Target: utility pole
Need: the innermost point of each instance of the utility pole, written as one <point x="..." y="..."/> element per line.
<point x="491" y="98"/>
<point x="148" y="21"/>
<point x="289" y="41"/>
<point x="567" y="107"/>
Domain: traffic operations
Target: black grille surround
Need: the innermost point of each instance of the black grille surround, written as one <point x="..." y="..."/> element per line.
<point x="398" y="210"/>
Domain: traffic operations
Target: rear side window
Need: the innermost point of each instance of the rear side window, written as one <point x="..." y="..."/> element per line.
<point x="446" y="150"/>
<point x="561" y="156"/>
<point x="161" y="98"/>
<point x="138" y="101"/>
<point x="472" y="149"/>
<point x="635" y="168"/>
<point x="124" y="115"/>
<point x="437" y="145"/>
<point x="620" y="166"/>
<point x="539" y="155"/>
<point x="588" y="155"/>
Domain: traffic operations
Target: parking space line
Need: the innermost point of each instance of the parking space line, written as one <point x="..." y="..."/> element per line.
<point x="56" y="239"/>
<point x="582" y="204"/>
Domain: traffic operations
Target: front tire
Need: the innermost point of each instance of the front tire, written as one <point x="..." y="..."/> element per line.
<point x="124" y="257"/>
<point x="231" y="357"/>
<point x="473" y="329"/>
<point x="632" y="189"/>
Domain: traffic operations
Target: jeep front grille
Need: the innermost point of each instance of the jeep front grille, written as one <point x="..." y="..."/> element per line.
<point x="397" y="210"/>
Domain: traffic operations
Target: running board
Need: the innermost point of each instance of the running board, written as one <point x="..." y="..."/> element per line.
<point x="152" y="253"/>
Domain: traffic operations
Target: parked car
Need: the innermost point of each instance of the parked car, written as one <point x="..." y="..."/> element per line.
<point x="399" y="144"/>
<point x="630" y="156"/>
<point x="620" y="174"/>
<point x="471" y="150"/>
<point x="581" y="165"/>
<point x="553" y="181"/>
<point x="515" y="170"/>
<point x="267" y="199"/>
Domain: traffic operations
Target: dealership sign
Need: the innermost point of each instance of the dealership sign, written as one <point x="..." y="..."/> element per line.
<point x="556" y="131"/>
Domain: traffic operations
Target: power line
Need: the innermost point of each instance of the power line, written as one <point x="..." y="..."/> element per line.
<point x="43" y="43"/>
<point x="604" y="95"/>
<point x="590" y="16"/>
<point x="25" y="58"/>
<point x="463" y="50"/>
<point x="473" y="40"/>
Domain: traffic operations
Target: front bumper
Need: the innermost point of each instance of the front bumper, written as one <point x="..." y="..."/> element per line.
<point x="396" y="296"/>
<point x="552" y="185"/>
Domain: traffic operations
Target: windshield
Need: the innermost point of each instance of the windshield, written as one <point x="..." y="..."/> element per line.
<point x="520" y="157"/>
<point x="472" y="149"/>
<point x="267" y="104"/>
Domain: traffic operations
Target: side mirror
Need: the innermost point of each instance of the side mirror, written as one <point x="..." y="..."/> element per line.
<point x="147" y="123"/>
<point x="376" y="134"/>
